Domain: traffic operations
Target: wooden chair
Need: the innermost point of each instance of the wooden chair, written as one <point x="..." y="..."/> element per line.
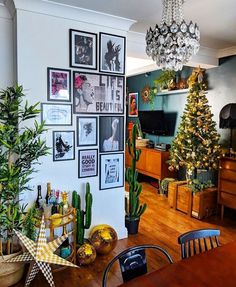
<point x="133" y="262"/>
<point x="197" y="241"/>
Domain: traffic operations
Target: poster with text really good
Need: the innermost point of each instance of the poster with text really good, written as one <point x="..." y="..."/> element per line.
<point x="98" y="93"/>
<point x="88" y="163"/>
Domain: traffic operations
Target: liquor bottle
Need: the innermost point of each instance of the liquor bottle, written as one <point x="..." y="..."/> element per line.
<point x="54" y="208"/>
<point x="38" y="202"/>
<point x="48" y="192"/>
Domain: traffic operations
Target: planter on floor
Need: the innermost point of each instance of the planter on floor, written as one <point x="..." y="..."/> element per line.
<point x="132" y="224"/>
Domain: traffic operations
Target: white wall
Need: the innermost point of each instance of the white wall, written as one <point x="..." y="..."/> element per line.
<point x="43" y="41"/>
<point x="6" y="48"/>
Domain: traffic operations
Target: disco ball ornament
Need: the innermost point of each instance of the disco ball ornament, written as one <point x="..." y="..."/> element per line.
<point x="86" y="254"/>
<point x="104" y="238"/>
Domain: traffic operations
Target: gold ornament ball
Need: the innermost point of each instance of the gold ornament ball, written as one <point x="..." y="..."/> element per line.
<point x="86" y="254"/>
<point x="104" y="238"/>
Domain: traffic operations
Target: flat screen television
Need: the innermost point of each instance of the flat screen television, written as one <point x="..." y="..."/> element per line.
<point x="157" y="122"/>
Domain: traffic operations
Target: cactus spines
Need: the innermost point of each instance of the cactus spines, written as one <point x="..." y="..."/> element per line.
<point x="83" y="217"/>
<point x="133" y="208"/>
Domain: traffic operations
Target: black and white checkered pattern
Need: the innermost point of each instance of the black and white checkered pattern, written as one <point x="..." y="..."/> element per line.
<point x="47" y="272"/>
<point x="33" y="271"/>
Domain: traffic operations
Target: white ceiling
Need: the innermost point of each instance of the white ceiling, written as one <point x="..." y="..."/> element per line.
<point x="216" y="18"/>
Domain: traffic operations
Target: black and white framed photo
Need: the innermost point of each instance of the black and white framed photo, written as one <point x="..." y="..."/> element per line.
<point x="56" y="114"/>
<point x="83" y="49"/>
<point x="111" y="170"/>
<point x="63" y="145"/>
<point x="86" y="131"/>
<point x="88" y="163"/>
<point x="111" y="135"/>
<point x="112" y="54"/>
<point x="59" y="84"/>
<point x="98" y="93"/>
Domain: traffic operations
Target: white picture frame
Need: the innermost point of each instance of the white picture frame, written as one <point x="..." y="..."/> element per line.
<point x="56" y="114"/>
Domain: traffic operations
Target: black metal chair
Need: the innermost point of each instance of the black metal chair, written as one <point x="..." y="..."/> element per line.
<point x="133" y="262"/>
<point x="198" y="241"/>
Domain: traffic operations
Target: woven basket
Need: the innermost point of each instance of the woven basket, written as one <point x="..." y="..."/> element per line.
<point x="10" y="273"/>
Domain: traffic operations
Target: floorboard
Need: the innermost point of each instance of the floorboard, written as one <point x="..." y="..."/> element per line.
<point x="159" y="225"/>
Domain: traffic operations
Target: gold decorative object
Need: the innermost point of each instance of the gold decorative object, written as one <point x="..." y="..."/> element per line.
<point x="40" y="255"/>
<point x="146" y="94"/>
<point x="86" y="254"/>
<point x="104" y="238"/>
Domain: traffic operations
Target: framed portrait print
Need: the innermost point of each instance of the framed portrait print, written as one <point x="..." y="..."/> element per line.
<point x="133" y="105"/>
<point x="88" y="163"/>
<point x="111" y="135"/>
<point x="56" y="114"/>
<point x="63" y="145"/>
<point x="111" y="170"/>
<point x="98" y="93"/>
<point x="112" y="54"/>
<point x="86" y="131"/>
<point x="83" y="49"/>
<point x="59" y="88"/>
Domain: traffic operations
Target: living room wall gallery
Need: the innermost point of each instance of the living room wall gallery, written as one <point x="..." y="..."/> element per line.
<point x="94" y="93"/>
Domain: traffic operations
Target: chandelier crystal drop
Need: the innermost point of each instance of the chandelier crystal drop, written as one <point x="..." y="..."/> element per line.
<point x="172" y="44"/>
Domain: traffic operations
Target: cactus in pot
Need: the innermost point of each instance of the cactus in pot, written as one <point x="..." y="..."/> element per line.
<point x="134" y="209"/>
<point x="83" y="217"/>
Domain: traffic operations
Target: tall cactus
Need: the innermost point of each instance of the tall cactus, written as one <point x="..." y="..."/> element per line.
<point x="83" y="217"/>
<point x="134" y="209"/>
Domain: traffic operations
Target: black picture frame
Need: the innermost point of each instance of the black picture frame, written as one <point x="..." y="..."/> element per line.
<point x="111" y="170"/>
<point x="87" y="131"/>
<point x="97" y="93"/>
<point x="111" y="135"/>
<point x="56" y="114"/>
<point x="58" y="85"/>
<point x="90" y="162"/>
<point x="63" y="145"/>
<point x="83" y="49"/>
<point x="112" y="53"/>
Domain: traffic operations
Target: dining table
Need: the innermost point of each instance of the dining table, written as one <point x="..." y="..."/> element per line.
<point x="215" y="267"/>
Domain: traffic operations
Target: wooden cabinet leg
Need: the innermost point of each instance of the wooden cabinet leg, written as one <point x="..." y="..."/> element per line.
<point x="222" y="211"/>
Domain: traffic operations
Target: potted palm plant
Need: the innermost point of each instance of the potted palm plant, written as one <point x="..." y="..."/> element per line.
<point x="20" y="149"/>
<point x="132" y="206"/>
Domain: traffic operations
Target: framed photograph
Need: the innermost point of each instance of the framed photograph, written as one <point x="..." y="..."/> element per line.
<point x="98" y="93"/>
<point x="111" y="170"/>
<point x="86" y="131"/>
<point x="111" y="135"/>
<point x="56" y="114"/>
<point x="83" y="49"/>
<point x="63" y="145"/>
<point x="133" y="105"/>
<point x="88" y="163"/>
<point x="112" y="54"/>
<point x="59" y="88"/>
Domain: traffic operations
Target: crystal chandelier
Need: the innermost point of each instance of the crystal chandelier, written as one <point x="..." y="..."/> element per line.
<point x="174" y="42"/>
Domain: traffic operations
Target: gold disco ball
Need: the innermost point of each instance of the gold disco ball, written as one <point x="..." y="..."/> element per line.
<point x="86" y="254"/>
<point x="104" y="238"/>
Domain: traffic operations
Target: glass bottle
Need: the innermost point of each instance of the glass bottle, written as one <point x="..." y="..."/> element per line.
<point x="38" y="202"/>
<point x="48" y="194"/>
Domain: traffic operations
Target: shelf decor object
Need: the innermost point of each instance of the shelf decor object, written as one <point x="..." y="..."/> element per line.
<point x="174" y="42"/>
<point x="40" y="255"/>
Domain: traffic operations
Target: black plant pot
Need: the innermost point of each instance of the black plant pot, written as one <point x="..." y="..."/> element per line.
<point x="132" y="224"/>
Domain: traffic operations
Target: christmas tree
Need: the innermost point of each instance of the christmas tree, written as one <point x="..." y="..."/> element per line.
<point x="196" y="143"/>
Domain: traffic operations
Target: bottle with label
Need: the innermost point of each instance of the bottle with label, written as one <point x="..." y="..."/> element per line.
<point x="38" y="202"/>
<point x="48" y="194"/>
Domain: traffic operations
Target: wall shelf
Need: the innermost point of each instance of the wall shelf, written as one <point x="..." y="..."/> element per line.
<point x="181" y="91"/>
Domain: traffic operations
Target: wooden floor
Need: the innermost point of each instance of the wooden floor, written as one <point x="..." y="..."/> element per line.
<point x="159" y="225"/>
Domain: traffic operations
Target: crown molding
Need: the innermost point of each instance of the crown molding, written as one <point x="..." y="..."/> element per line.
<point x="50" y="8"/>
<point x="231" y="51"/>
<point x="4" y="12"/>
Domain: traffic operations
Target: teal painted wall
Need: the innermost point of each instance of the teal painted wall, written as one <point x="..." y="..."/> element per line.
<point x="222" y="90"/>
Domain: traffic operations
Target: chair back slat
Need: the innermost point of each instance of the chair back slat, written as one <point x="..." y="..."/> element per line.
<point x="206" y="239"/>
